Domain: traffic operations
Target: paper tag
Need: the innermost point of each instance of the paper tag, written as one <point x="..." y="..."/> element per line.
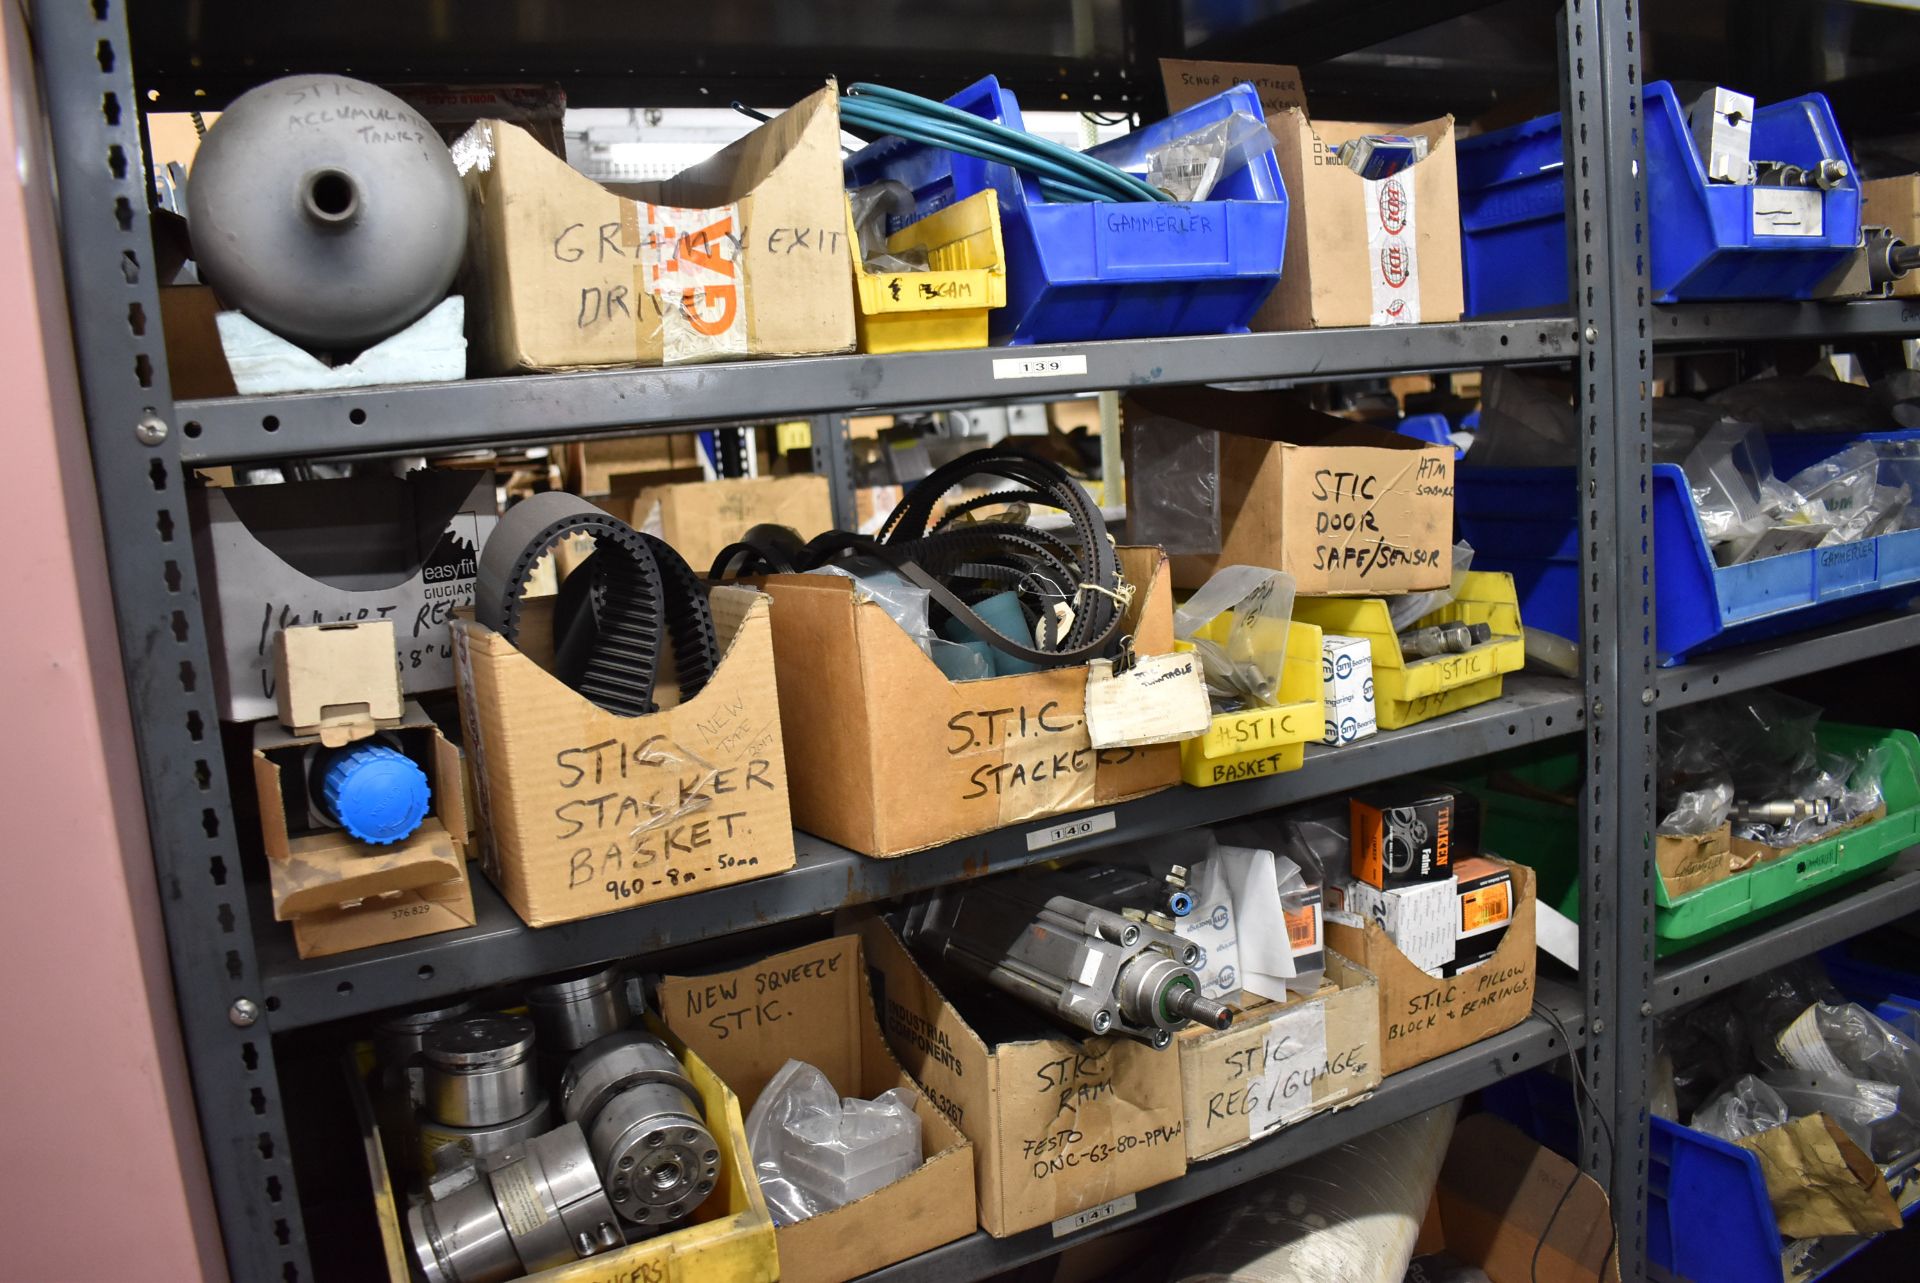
<point x="1160" y="699"/>
<point x="688" y="261"/>
<point x="1788" y="211"/>
<point x="1094" y="1215"/>
<point x="1070" y="831"/>
<point x="1215" y="927"/>
<point x="1804" y="1048"/>
<point x="1303" y="928"/>
<point x="519" y="1201"/>
<point x="1296" y="1042"/>
<point x="1393" y="265"/>
<point x="1038" y="367"/>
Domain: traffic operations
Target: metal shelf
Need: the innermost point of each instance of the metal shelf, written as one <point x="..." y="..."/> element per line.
<point x="1715" y="323"/>
<point x="1527" y="1045"/>
<point x="440" y="416"/>
<point x="500" y="949"/>
<point x="1803" y="929"/>
<point x="1745" y="667"/>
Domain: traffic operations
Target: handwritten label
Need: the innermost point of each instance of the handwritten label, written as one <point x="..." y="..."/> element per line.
<point x="1038" y="367"/>
<point x="767" y="994"/>
<point x="1094" y="1215"/>
<point x="1346" y="519"/>
<point x="1070" y="831"/>
<point x="1066" y="1150"/>
<point x="1295" y="1044"/>
<point x="1162" y="698"/>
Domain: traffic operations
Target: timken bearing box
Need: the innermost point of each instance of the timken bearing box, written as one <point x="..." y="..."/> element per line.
<point x="1402" y="833"/>
<point x="587" y="811"/>
<point x="1346" y="676"/>
<point x="889" y="756"/>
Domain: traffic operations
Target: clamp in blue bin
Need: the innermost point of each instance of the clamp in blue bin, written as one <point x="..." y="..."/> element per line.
<point x="372" y="790"/>
<point x="1109" y="270"/>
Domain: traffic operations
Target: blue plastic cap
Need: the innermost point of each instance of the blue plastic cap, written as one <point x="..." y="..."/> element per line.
<point x="375" y="793"/>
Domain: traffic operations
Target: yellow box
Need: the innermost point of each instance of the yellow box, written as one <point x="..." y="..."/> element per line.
<point x="729" y="1241"/>
<point x="943" y="309"/>
<point x="1261" y="741"/>
<point x="1406" y="691"/>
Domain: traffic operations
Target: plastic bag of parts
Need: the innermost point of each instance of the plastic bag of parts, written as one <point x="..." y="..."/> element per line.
<point x="1860" y="1106"/>
<point x="814" y="1150"/>
<point x="1351" y="1214"/>
<point x="1843" y="492"/>
<point x="907" y="605"/>
<point x="1679" y="424"/>
<point x="1730" y="477"/>
<point x="1866" y="1064"/>
<point x="1524" y="423"/>
<point x="1706" y="1045"/>
<point x="1173" y="485"/>
<point x="1840" y="790"/>
<point x="1409" y="608"/>
<point x="1697" y="811"/>
<point x="873" y="205"/>
<point x="1189" y="167"/>
<point x="1802" y="403"/>
<point x="1746" y="1108"/>
<point x="1244" y="671"/>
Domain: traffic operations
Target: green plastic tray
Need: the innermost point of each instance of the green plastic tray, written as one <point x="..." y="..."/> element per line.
<point x="1545" y="836"/>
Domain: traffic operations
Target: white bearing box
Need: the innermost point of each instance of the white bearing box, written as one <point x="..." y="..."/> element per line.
<point x="1418" y="918"/>
<point x="1346" y="671"/>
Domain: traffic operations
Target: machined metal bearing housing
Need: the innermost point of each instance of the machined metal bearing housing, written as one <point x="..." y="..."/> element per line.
<point x="479" y="1071"/>
<point x="644" y="1126"/>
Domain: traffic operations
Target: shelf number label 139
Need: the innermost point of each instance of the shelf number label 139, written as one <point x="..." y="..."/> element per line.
<point x="1073" y="830"/>
<point x="1038" y="367"/>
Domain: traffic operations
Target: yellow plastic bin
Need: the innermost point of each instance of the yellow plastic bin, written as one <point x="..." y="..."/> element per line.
<point x="1261" y="741"/>
<point x="1406" y="691"/>
<point x="945" y="308"/>
<point x="730" y="1239"/>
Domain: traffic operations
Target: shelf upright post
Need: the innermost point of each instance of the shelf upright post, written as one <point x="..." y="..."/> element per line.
<point x="86" y="83"/>
<point x="1607" y="238"/>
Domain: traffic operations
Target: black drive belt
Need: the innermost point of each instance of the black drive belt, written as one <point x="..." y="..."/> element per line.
<point x="612" y="609"/>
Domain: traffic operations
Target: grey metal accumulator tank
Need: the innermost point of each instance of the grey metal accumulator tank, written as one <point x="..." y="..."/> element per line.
<point x="327" y="210"/>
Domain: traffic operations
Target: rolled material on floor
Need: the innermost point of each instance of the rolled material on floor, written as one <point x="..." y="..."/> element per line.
<point x="1349" y="1215"/>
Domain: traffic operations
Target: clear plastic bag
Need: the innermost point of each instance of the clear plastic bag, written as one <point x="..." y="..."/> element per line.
<point x="1524" y="423"/>
<point x="1173" y="485"/>
<point x="1859" y="1044"/>
<point x="1746" y="1108"/>
<point x="873" y="205"/>
<point x="1730" y="476"/>
<point x="1707" y="1044"/>
<point x="1244" y="671"/>
<point x="1189" y="167"/>
<point x="1858" y="1105"/>
<point x="1408" y="608"/>
<point x="1697" y="811"/>
<point x="1798" y="403"/>
<point x="1839" y="489"/>
<point x="814" y="1150"/>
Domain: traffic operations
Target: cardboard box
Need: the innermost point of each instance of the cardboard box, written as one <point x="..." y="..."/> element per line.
<point x="1364" y="252"/>
<point x="1344" y="508"/>
<point x="745" y="254"/>
<point x="889" y="756"/>
<point x="1346" y="673"/>
<point x="324" y="552"/>
<point x="196" y="363"/>
<point x="595" y="465"/>
<point x="587" y="811"/>
<point x="1421" y="1017"/>
<point x="1402" y="833"/>
<point x="1691" y="862"/>
<point x="1483" y="909"/>
<point x="1058" y="1127"/>
<point x="1894" y="203"/>
<point x="701" y="518"/>
<point x="1189" y="81"/>
<point x="342" y="894"/>
<point x="1280" y="1062"/>
<point x="331" y="677"/>
<point x="814" y="1004"/>
<point x="1518" y="1211"/>
<point x="1421" y="919"/>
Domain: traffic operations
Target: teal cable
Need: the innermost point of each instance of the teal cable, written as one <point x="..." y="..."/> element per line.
<point x="1059" y="183"/>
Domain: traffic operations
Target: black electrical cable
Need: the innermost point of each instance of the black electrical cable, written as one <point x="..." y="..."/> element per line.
<point x="1599" y="1115"/>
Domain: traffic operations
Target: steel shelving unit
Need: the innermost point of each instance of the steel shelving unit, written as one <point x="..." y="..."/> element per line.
<point x="103" y="63"/>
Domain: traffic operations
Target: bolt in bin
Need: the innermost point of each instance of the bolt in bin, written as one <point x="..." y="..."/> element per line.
<point x="1707" y="240"/>
<point x="1109" y="270"/>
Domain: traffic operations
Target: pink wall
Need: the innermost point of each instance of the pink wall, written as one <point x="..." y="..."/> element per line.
<point x="105" y="1176"/>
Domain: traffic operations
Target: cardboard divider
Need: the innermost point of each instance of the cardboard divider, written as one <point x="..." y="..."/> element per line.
<point x="588" y="811"/>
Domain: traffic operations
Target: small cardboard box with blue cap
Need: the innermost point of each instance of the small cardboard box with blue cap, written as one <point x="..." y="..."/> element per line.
<point x="362" y="800"/>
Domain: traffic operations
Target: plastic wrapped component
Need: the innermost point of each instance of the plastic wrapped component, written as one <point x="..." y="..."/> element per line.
<point x="1839" y="491"/>
<point x="1410" y="608"/>
<point x="1737" y="497"/>
<point x="1745" y="1109"/>
<point x="815" y="1150"/>
<point x="1351" y="1214"/>
<point x="1802" y="404"/>
<point x="1859" y="1105"/>
<point x="1244" y="671"/>
<point x="1697" y="811"/>
<point x="1706" y="1045"/>
<point x="1189" y="167"/>
<point x="873" y="205"/>
<point x="1866" y="1063"/>
<point x="1173" y="486"/>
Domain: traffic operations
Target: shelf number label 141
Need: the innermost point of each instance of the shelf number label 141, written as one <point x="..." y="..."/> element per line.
<point x="1094" y="1215"/>
<point x="1073" y="830"/>
<point x="1038" y="367"/>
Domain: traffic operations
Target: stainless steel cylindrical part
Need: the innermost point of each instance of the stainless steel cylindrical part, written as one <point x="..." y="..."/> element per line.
<point x="462" y="1238"/>
<point x="576" y="1012"/>
<point x="397" y="1040"/>
<point x="480" y="1142"/>
<point x="327" y="210"/>
<point x="656" y="1156"/>
<point x="600" y="1072"/>
<point x="480" y="1070"/>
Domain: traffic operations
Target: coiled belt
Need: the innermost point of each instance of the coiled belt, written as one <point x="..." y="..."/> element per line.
<point x="612" y="610"/>
<point x="961" y="562"/>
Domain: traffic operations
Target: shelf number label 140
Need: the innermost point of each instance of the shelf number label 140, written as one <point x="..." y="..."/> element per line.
<point x="1073" y="830"/>
<point x="1039" y="367"/>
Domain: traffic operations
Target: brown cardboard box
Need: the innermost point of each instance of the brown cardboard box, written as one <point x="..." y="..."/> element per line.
<point x="702" y="517"/>
<point x="1280" y="1062"/>
<point x="1689" y="863"/>
<point x="1519" y="1211"/>
<point x="1058" y="1127"/>
<point x="814" y="1004"/>
<point x="341" y="894"/>
<point x="330" y="677"/>
<point x="1346" y="509"/>
<point x="595" y="465"/>
<point x="1361" y="253"/>
<point x="1422" y="1017"/>
<point x="587" y="811"/>
<point x="889" y="756"/>
<point x="1894" y="203"/>
<point x="196" y="363"/>
<point x="1188" y="82"/>
<point x="745" y="254"/>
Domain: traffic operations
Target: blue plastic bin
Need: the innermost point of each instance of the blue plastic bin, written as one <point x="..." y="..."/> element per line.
<point x="1708" y="1216"/>
<point x="1525" y="521"/>
<point x="1123" y="270"/>
<point x="1702" y="238"/>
